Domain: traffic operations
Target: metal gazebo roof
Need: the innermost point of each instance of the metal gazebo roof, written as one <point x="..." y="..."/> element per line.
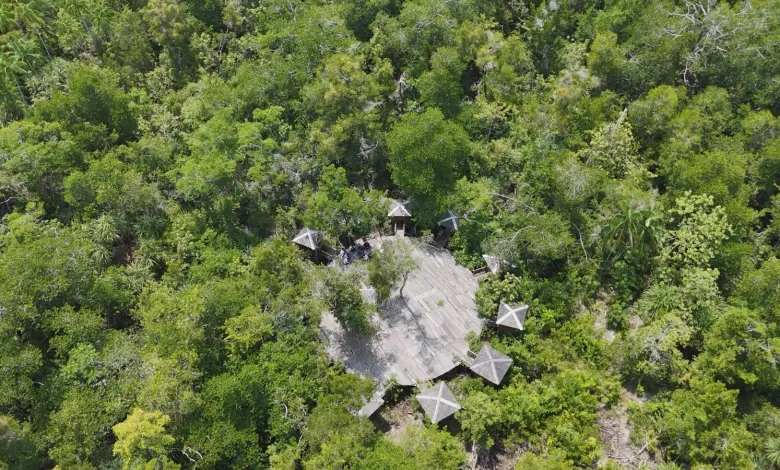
<point x="371" y="407"/>
<point x="438" y="402"/>
<point x="491" y="364"/>
<point x="493" y="263"/>
<point x="512" y="316"/>
<point x="308" y="238"/>
<point x="450" y="221"/>
<point x="399" y="209"/>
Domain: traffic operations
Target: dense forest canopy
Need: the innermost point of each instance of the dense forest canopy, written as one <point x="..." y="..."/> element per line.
<point x="620" y="157"/>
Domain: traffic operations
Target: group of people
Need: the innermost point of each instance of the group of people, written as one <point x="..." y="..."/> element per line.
<point x="354" y="252"/>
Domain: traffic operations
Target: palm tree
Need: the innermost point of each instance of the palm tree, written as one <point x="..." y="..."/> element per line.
<point x="6" y="17"/>
<point x="73" y="7"/>
<point x="11" y="68"/>
<point x="25" y="52"/>
<point x="79" y="9"/>
<point x="27" y="15"/>
<point x="29" y="18"/>
<point x="772" y="451"/>
<point x="17" y="61"/>
<point x="635" y="227"/>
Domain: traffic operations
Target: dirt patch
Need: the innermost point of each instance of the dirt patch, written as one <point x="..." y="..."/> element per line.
<point x="506" y="459"/>
<point x="600" y="309"/>
<point x="496" y="458"/>
<point x="615" y="430"/>
<point x="400" y="418"/>
<point x="634" y="322"/>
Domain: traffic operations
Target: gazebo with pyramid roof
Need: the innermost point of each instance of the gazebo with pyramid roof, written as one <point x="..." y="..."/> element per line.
<point x="491" y="364"/>
<point x="449" y="221"/>
<point x="438" y="402"/>
<point x="399" y="208"/>
<point x="493" y="263"/>
<point x="512" y="316"/>
<point x="400" y="215"/>
<point x="372" y="406"/>
<point x="308" y="238"/>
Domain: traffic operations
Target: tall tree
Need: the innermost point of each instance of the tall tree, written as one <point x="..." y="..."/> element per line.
<point x="427" y="156"/>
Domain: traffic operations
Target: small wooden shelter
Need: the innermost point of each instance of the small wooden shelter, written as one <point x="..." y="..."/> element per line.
<point x="511" y="316"/>
<point x="400" y="215"/>
<point x="447" y="225"/>
<point x="438" y="402"/>
<point x="399" y="208"/>
<point x="371" y="407"/>
<point x="491" y="364"/>
<point x="308" y="238"/>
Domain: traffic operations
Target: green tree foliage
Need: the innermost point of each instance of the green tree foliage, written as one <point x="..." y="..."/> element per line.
<point x="116" y="189"/>
<point x="606" y="59"/>
<point x="427" y="155"/>
<point x="721" y="175"/>
<point x="56" y="157"/>
<point x="700" y="230"/>
<point x="340" y="210"/>
<point x="651" y="116"/>
<point x="390" y="266"/>
<point x="697" y="425"/>
<point x="16" y="448"/>
<point x="619" y="159"/>
<point x="341" y="294"/>
<point x="553" y="461"/>
<point x="740" y="350"/>
<point x="441" y="86"/>
<point x="634" y="225"/>
<point x="757" y="290"/>
<point x="479" y="418"/>
<point x="336" y="438"/>
<point x="654" y="353"/>
<point x="94" y="109"/>
<point x="418" y="448"/>
<point x="142" y="436"/>
<point x="530" y="237"/>
<point x="613" y="149"/>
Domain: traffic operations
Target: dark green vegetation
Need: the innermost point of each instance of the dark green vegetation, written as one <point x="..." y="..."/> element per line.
<point x="155" y="157"/>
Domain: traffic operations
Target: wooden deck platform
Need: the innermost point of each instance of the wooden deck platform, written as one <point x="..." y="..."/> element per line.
<point x="420" y="335"/>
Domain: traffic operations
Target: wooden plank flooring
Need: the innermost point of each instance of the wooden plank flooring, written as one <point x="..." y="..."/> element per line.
<point x="420" y="334"/>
